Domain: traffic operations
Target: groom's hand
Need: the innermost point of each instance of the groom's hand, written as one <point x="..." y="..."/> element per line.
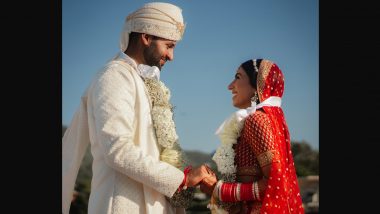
<point x="195" y="176"/>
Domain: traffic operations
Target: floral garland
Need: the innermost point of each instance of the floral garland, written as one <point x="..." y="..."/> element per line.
<point x="162" y="116"/>
<point x="228" y="133"/>
<point x="167" y="138"/>
<point x="224" y="156"/>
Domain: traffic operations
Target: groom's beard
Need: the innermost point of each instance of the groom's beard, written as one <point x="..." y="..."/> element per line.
<point x="152" y="56"/>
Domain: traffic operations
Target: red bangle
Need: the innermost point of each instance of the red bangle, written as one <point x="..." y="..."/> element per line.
<point x="246" y="192"/>
<point x="185" y="171"/>
<point x="228" y="191"/>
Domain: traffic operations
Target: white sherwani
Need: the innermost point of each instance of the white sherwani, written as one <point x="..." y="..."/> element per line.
<point x="115" y="117"/>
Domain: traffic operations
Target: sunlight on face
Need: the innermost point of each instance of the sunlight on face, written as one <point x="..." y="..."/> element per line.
<point x="241" y="89"/>
<point x="159" y="51"/>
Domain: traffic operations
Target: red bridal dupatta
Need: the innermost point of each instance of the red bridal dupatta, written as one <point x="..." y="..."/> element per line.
<point x="282" y="194"/>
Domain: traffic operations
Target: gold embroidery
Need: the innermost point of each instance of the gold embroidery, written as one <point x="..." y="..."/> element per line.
<point x="262" y="132"/>
<point x="164" y="31"/>
<point x="264" y="69"/>
<point x="266" y="158"/>
<point x="248" y="174"/>
<point x="248" y="170"/>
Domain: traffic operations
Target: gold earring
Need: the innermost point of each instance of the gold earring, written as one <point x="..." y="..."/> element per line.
<point x="254" y="98"/>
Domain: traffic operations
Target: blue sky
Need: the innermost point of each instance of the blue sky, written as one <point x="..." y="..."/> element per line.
<point x="219" y="36"/>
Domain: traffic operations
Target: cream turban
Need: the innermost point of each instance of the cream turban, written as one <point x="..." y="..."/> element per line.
<point x="158" y="19"/>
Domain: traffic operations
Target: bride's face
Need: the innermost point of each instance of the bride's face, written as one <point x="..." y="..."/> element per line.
<point x="241" y="89"/>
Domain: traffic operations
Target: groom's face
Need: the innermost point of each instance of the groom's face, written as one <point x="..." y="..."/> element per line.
<point x="159" y="51"/>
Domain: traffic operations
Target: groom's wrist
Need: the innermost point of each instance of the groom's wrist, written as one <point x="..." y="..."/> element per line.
<point x="186" y="171"/>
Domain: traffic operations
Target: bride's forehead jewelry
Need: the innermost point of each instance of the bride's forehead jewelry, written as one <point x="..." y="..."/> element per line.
<point x="255" y="66"/>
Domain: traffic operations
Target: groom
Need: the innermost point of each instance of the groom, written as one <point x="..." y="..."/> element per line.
<point x="125" y="116"/>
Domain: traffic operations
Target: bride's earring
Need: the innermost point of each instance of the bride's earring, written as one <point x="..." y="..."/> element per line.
<point x="254" y="99"/>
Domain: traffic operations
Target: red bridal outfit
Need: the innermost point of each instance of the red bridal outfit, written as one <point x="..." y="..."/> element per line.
<point x="264" y="141"/>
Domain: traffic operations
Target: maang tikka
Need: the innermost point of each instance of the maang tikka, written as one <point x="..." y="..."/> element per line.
<point x="255" y="96"/>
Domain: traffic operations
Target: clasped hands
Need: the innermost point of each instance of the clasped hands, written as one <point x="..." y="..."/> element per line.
<point x="202" y="176"/>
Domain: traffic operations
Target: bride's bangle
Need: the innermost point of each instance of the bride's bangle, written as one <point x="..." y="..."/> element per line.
<point x="216" y="191"/>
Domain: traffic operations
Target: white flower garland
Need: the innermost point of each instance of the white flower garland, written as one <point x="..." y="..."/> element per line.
<point x="224" y="156"/>
<point x="162" y="116"/>
<point x="167" y="138"/>
<point x="228" y="133"/>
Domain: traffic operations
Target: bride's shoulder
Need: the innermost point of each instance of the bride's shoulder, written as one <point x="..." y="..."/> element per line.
<point x="259" y="118"/>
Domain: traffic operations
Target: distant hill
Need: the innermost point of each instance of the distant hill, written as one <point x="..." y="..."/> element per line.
<point x="196" y="158"/>
<point x="305" y="157"/>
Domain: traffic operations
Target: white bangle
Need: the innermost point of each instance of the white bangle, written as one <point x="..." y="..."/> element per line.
<point x="216" y="192"/>
<point x="253" y="191"/>
<point x="238" y="191"/>
<point x="257" y="191"/>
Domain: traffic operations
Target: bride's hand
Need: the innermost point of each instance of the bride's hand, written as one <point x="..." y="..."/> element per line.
<point x="208" y="183"/>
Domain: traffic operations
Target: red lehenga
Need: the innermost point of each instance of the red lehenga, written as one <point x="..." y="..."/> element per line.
<point x="265" y="140"/>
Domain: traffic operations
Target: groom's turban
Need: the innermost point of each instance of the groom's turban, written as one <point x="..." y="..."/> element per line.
<point x="158" y="19"/>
